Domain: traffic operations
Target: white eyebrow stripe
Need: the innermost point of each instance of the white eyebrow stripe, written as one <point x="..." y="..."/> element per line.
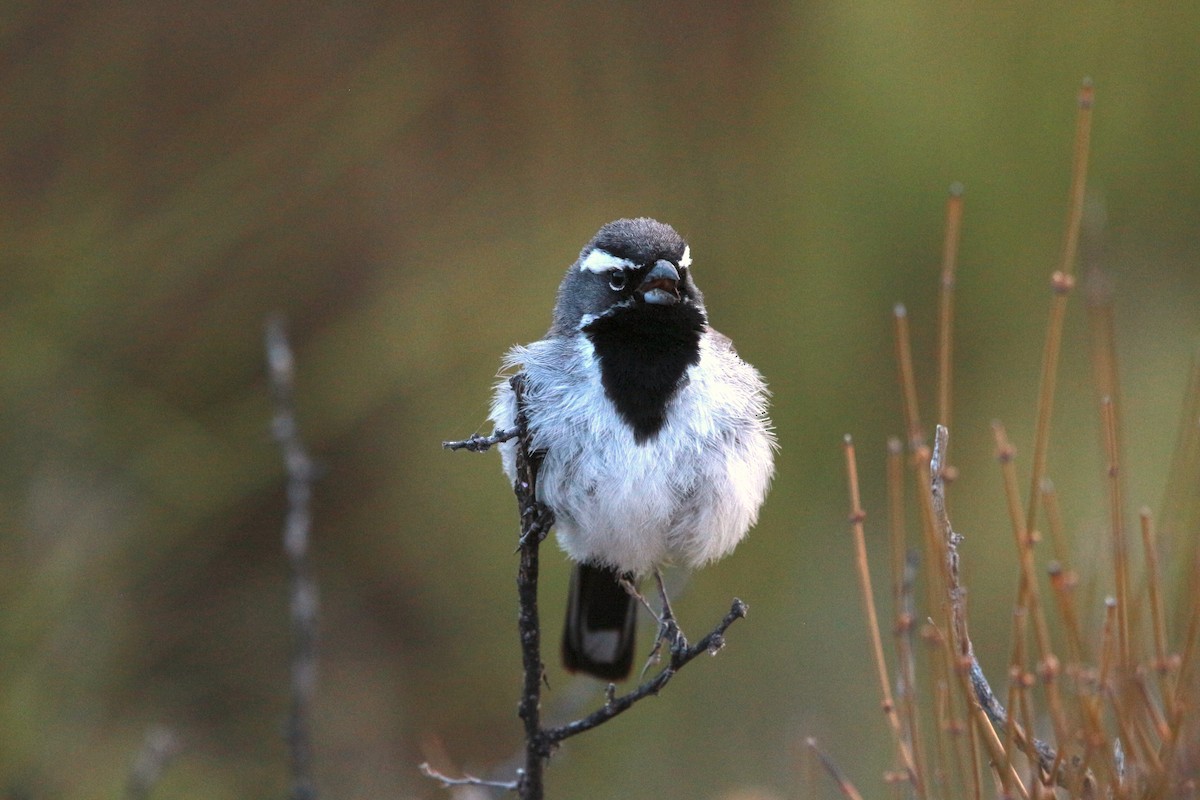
<point x="686" y="260"/>
<point x="600" y="261"/>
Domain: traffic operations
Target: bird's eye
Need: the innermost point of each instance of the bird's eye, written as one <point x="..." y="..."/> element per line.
<point x="616" y="279"/>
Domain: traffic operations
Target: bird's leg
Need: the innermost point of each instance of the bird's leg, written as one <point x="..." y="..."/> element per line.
<point x="631" y="589"/>
<point x="668" y="628"/>
<point x="629" y="586"/>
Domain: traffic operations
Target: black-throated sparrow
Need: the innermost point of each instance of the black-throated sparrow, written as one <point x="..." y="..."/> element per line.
<point x="656" y="443"/>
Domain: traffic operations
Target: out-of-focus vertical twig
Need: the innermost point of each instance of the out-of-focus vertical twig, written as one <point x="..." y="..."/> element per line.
<point x="303" y="600"/>
<point x="158" y="749"/>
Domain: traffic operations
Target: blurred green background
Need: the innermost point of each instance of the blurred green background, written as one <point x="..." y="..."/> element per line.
<point x="407" y="183"/>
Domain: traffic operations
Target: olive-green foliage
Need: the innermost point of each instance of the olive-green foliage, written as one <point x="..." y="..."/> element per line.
<point x="406" y="182"/>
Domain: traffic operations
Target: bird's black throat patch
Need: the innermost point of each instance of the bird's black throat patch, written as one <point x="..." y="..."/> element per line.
<point x="644" y="351"/>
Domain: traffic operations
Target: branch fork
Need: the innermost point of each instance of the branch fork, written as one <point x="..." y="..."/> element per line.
<point x="536" y="521"/>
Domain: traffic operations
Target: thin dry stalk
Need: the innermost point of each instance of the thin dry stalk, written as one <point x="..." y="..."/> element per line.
<point x="1179" y="495"/>
<point x="1054" y="520"/>
<point x="1016" y="675"/>
<point x="1037" y="776"/>
<point x="1148" y="726"/>
<point x="1184" y="698"/>
<point x="1098" y="300"/>
<point x="1061" y="282"/>
<point x="843" y="783"/>
<point x="935" y="544"/>
<point x="1155" y="717"/>
<point x="1095" y="738"/>
<point x="807" y="765"/>
<point x="943" y="727"/>
<point x="908" y="380"/>
<point x="904" y="570"/>
<point x="857" y="516"/>
<point x="959" y="649"/>
<point x="954" y="208"/>
<point x="1119" y="552"/>
<point x="1180" y="515"/>
<point x="897" y="534"/>
<point x="1028" y="596"/>
<point x="1063" y="583"/>
<point x="1157" y="617"/>
<point x="976" y="763"/>
<point x="946" y="666"/>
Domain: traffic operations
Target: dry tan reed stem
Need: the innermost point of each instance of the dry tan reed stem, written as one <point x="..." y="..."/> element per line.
<point x="1062" y="583"/>
<point x="1016" y="675"/>
<point x="961" y="653"/>
<point x="1120" y="554"/>
<point x="903" y="580"/>
<point x="857" y="516"/>
<point x="954" y="208"/>
<point x="1062" y="281"/>
<point x="1157" y="617"/>
<point x="1054" y="520"/>
<point x="1180" y="514"/>
<point x="908" y="380"/>
<point x="1028" y="596"/>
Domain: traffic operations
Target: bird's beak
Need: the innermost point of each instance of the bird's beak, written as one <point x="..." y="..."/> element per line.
<point x="661" y="284"/>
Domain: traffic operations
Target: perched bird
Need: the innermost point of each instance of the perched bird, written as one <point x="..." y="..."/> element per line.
<point x="654" y="436"/>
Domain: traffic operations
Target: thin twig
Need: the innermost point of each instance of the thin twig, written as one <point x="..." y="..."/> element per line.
<point x="710" y="644"/>
<point x="954" y="209"/>
<point x="1157" y="616"/>
<point x="1117" y="521"/>
<point x="904" y="576"/>
<point x="303" y="600"/>
<point x="466" y="780"/>
<point x="908" y="381"/>
<point x="481" y="444"/>
<point x="843" y="783"/>
<point x="1179" y="509"/>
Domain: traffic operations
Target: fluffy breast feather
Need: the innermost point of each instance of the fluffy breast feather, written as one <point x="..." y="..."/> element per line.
<point x="688" y="494"/>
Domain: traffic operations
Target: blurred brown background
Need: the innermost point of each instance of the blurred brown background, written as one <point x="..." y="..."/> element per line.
<point x="406" y="183"/>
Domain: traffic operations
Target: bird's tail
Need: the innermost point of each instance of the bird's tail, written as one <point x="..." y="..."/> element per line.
<point x="601" y="622"/>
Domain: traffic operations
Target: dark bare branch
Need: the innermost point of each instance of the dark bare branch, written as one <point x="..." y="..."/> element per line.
<point x="711" y="644"/>
<point x="536" y="522"/>
<point x="481" y="444"/>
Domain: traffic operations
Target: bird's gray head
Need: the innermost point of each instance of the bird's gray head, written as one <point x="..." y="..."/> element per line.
<point x="628" y="264"/>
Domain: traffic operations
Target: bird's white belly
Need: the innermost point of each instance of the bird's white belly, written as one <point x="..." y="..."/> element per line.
<point x="688" y="494"/>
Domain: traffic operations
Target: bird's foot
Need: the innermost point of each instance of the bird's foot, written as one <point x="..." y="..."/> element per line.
<point x="669" y="631"/>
